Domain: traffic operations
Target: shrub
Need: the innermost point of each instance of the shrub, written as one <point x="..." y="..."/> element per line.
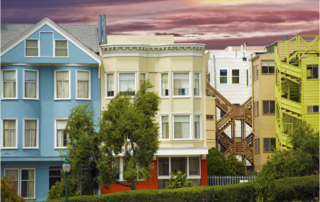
<point x="8" y="192"/>
<point x="58" y="190"/>
<point x="178" y="182"/>
<point x="216" y="163"/>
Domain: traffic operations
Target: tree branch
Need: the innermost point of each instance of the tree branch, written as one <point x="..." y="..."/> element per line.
<point x="124" y="184"/>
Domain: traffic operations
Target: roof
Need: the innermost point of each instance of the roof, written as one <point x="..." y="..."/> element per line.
<point x="86" y="34"/>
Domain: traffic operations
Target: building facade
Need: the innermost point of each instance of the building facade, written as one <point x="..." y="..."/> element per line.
<point x="46" y="70"/>
<point x="177" y="72"/>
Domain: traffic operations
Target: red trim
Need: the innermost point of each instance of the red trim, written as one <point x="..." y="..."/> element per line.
<point x="204" y="177"/>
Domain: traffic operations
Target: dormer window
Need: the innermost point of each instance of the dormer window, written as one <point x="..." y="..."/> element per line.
<point x="61" y="48"/>
<point x="32" y="48"/>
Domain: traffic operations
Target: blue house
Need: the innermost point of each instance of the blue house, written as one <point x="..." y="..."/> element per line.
<point x="46" y="70"/>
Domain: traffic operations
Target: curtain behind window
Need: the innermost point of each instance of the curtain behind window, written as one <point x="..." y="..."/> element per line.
<point x="9" y="79"/>
<point x="196" y="84"/>
<point x="30" y="133"/>
<point x="27" y="183"/>
<point x="197" y="127"/>
<point x="127" y="81"/>
<point x="14" y="177"/>
<point x="165" y="127"/>
<point x="61" y="138"/>
<point x="31" y="84"/>
<point x="164" y="85"/>
<point x="110" y="85"/>
<point x="63" y="84"/>
<point x="61" y="48"/>
<point x="181" y="127"/>
<point x="83" y="84"/>
<point x="9" y="131"/>
<point x="31" y="48"/>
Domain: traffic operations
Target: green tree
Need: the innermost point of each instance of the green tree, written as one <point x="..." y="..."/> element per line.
<point x="235" y="167"/>
<point x="178" y="181"/>
<point x="8" y="192"/>
<point x="127" y="127"/>
<point x="217" y="163"/>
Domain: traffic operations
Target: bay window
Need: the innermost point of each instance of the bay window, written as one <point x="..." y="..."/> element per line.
<point x="30" y="134"/>
<point x="143" y="77"/>
<point x="61" y="138"/>
<point x="110" y="85"/>
<point x="30" y="84"/>
<point x="62" y="84"/>
<point x="197" y="127"/>
<point x="181" y="127"/>
<point x="9" y="134"/>
<point x="9" y="84"/>
<point x="165" y="127"/>
<point x="196" y="84"/>
<point x="83" y="84"/>
<point x="164" y="85"/>
<point x="181" y="84"/>
<point x="127" y="81"/>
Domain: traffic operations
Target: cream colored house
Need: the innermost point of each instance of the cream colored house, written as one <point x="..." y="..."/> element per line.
<point x="177" y="72"/>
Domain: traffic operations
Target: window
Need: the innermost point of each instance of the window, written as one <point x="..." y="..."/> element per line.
<point x="235" y="76"/>
<point x="313" y="109"/>
<point x="83" y="84"/>
<point x="178" y="164"/>
<point x="30" y="134"/>
<point x="196" y="84"/>
<point x="62" y="84"/>
<point x="143" y="77"/>
<point x="267" y="67"/>
<point x="269" y="144"/>
<point x="181" y="126"/>
<point x="13" y="175"/>
<point x="194" y="166"/>
<point x="257" y="146"/>
<point x="126" y="82"/>
<point x="223" y="76"/>
<point x="256" y="108"/>
<point x="10" y="84"/>
<point x="61" y="138"/>
<point x="164" y="85"/>
<point x="181" y="84"/>
<point x="32" y="48"/>
<point x="312" y="72"/>
<point x="222" y="113"/>
<point x="116" y="165"/>
<point x="54" y="176"/>
<point x="9" y="134"/>
<point x="110" y="85"/>
<point x="268" y="107"/>
<point x="257" y="72"/>
<point x="30" y="84"/>
<point x="247" y="76"/>
<point x="209" y="117"/>
<point x="163" y="166"/>
<point x="197" y="127"/>
<point x="165" y="127"/>
<point x="61" y="49"/>
<point x="28" y="183"/>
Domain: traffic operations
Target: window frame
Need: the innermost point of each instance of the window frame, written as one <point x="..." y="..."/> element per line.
<point x="270" y="144"/>
<point x="190" y="123"/>
<point x="235" y="76"/>
<point x="55" y="84"/>
<point x="24" y="84"/>
<point x="135" y="81"/>
<point x="313" y="109"/>
<point x="34" y="184"/>
<point x="2" y="94"/>
<point x="160" y="91"/>
<point x="197" y="96"/>
<point x="55" y="133"/>
<point x="25" y="47"/>
<point x="188" y="169"/>
<point x="17" y="169"/>
<point x="161" y="115"/>
<point x="54" y="48"/>
<point x="268" y="67"/>
<point x="312" y="71"/>
<point x="268" y="114"/>
<point x="189" y="84"/>
<point x="2" y="124"/>
<point x="89" y="85"/>
<point x="223" y="76"/>
<point x="24" y="130"/>
<point x="257" y="72"/>
<point x="200" y="125"/>
<point x="106" y="85"/>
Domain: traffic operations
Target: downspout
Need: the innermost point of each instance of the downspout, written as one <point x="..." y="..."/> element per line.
<point x="215" y="73"/>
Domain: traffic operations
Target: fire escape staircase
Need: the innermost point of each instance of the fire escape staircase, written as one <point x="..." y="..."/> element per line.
<point x="232" y="113"/>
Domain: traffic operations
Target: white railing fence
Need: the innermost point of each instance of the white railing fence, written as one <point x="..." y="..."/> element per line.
<point x="226" y="180"/>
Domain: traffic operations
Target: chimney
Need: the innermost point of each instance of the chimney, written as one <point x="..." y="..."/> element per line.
<point x="104" y="27"/>
<point x="99" y="30"/>
<point x="286" y="37"/>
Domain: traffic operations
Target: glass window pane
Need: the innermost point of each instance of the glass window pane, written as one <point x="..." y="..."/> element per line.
<point x="223" y="79"/>
<point x="61" y="124"/>
<point x="272" y="107"/>
<point x="61" y="44"/>
<point x="178" y="164"/>
<point x="82" y="75"/>
<point x="309" y="72"/>
<point x="181" y="76"/>
<point x="315" y="72"/>
<point x="271" y="69"/>
<point x="11" y="174"/>
<point x="265" y="107"/>
<point x="61" y="52"/>
<point x="235" y="72"/>
<point x="309" y="109"/>
<point x="163" y="166"/>
<point x="266" y="144"/>
<point x="31" y="43"/>
<point x="194" y="166"/>
<point x="62" y="75"/>
<point x="235" y="79"/>
<point x="223" y="72"/>
<point x="30" y="75"/>
<point x="162" y="183"/>
<point x="165" y="127"/>
<point x="9" y="75"/>
<point x="164" y="85"/>
<point x="265" y="70"/>
<point x="315" y="108"/>
<point x="273" y="144"/>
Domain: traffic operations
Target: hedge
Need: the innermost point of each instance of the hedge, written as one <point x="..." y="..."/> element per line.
<point x="288" y="189"/>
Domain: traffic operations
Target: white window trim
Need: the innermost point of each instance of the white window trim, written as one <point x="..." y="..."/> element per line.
<point x="20" y="180"/>
<point x="106" y="86"/>
<point x="197" y="96"/>
<point x="2" y="127"/>
<point x="89" y="85"/>
<point x="25" y="47"/>
<point x="172" y="88"/>
<point x="54" y="48"/>
<point x="135" y="81"/>
<point x="18" y="191"/>
<point x="190" y="127"/>
<point x="23" y="133"/>
<point x="200" y="123"/>
<point x="161" y="115"/>
<point x="223" y="76"/>
<point x="2" y="84"/>
<point x="24" y="85"/>
<point x="55" y="84"/>
<point x="55" y="133"/>
<point x="239" y="77"/>
<point x="160" y="78"/>
<point x="164" y="177"/>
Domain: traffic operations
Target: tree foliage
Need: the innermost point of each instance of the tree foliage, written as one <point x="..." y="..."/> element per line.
<point x="127" y="127"/>
<point x="8" y="192"/>
<point x="178" y="181"/>
<point x="236" y="167"/>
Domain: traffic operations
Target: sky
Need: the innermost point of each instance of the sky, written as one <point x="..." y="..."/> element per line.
<point x="216" y="23"/>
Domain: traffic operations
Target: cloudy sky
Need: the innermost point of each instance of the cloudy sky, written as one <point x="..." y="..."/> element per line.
<point x="217" y="23"/>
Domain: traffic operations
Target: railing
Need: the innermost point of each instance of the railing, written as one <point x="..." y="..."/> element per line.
<point x="225" y="119"/>
<point x="227" y="180"/>
<point x="226" y="105"/>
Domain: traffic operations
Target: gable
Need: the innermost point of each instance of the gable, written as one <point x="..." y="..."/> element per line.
<point x="44" y="37"/>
